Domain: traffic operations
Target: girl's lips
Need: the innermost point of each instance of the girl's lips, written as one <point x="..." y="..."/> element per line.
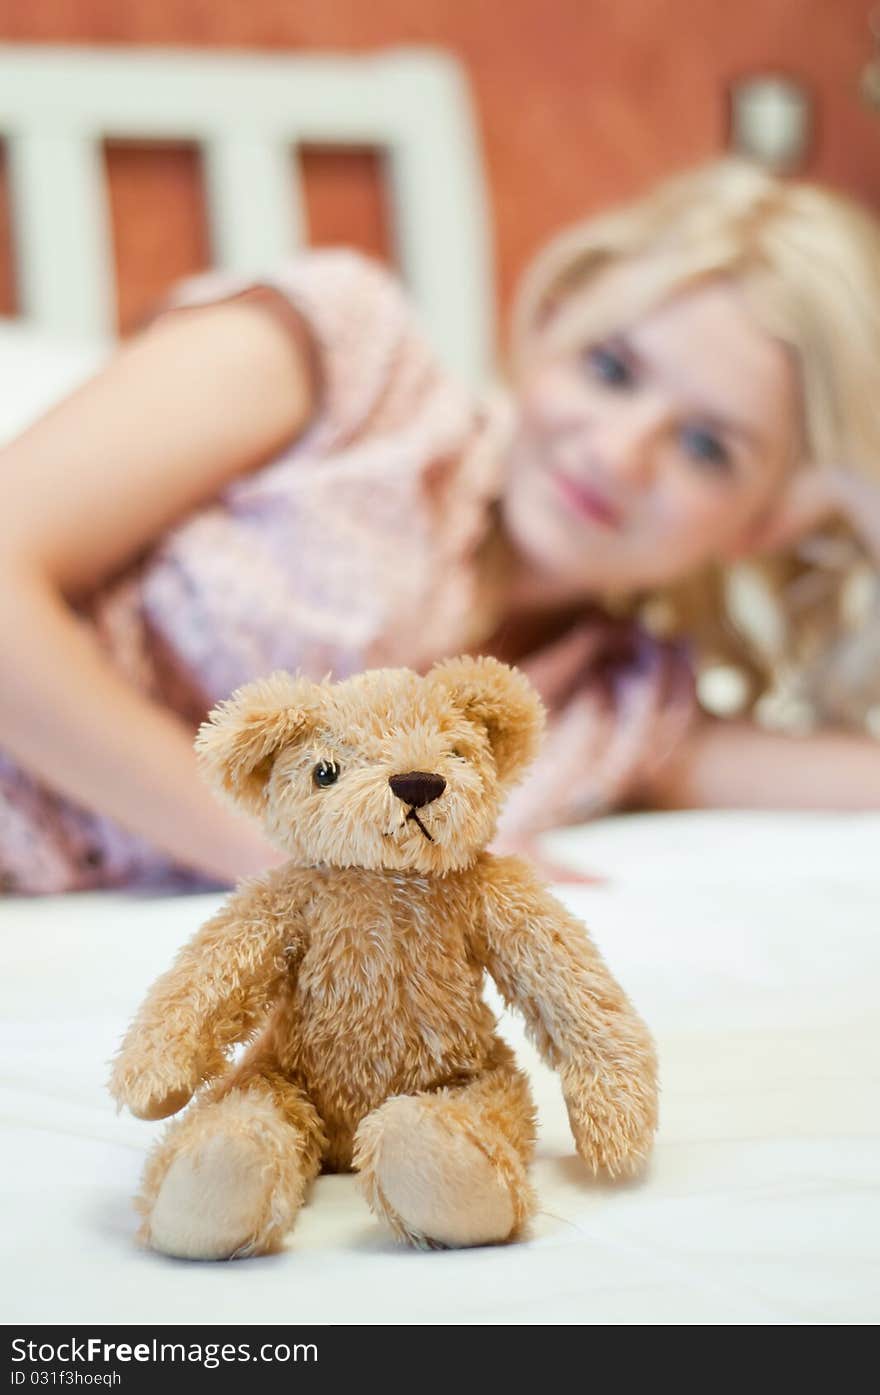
<point x="586" y="502"/>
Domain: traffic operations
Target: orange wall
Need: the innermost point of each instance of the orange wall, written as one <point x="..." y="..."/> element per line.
<point x="579" y="102"/>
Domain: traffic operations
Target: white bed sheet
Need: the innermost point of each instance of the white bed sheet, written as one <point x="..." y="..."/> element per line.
<point x="38" y="369"/>
<point x="750" y="942"/>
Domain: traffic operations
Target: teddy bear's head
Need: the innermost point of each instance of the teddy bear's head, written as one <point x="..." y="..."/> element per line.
<point x="385" y="769"/>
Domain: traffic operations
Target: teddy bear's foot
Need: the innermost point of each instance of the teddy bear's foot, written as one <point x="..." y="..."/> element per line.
<point x="211" y="1202"/>
<point x="227" y="1180"/>
<point x="437" y="1182"/>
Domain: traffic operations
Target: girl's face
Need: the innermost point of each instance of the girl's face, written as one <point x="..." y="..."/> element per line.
<point x="643" y="456"/>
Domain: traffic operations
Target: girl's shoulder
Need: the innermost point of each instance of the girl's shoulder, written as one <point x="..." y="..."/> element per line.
<point x="373" y="367"/>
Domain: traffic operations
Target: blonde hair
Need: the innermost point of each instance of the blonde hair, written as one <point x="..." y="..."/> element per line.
<point x="808" y="261"/>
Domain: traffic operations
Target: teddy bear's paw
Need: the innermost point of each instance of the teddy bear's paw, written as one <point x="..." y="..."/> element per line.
<point x="433" y="1184"/>
<point x="613" y="1156"/>
<point x="212" y="1202"/>
<point x="148" y="1093"/>
<point x="613" y="1129"/>
<point x="161" y="1107"/>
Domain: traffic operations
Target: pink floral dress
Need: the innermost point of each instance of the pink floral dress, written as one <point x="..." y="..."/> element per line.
<point x="355" y="547"/>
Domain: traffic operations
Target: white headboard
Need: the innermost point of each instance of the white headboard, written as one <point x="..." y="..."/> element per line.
<point x="247" y="113"/>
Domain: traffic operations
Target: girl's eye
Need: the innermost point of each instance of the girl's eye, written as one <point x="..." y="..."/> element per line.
<point x="705" y="448"/>
<point x="326" y="772"/>
<point x="610" y="367"/>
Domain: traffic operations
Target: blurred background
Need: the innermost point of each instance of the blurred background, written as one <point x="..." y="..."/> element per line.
<point x="574" y="104"/>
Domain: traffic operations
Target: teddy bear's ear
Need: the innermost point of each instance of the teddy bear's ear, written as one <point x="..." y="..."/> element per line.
<point x="503" y="701"/>
<point x="238" y="743"/>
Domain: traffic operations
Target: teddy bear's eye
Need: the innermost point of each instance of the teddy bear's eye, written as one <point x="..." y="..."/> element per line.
<point x="326" y="772"/>
<point x="460" y="754"/>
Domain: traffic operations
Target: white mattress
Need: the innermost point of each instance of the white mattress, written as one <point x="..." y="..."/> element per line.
<point x="750" y="942"/>
<point x="37" y="369"/>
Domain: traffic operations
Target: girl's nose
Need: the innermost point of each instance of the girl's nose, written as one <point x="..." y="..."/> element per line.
<point x="624" y="445"/>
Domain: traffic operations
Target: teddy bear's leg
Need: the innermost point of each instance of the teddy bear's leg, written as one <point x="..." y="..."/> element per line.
<point x="228" y="1178"/>
<point x="448" y="1167"/>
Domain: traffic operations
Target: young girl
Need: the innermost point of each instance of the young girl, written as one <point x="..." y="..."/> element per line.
<point x="282" y="475"/>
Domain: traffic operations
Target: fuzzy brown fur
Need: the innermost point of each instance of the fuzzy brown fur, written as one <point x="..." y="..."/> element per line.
<point x="355" y="972"/>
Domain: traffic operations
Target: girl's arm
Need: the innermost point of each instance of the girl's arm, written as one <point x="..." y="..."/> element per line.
<point x="199" y="398"/>
<point x="735" y="765"/>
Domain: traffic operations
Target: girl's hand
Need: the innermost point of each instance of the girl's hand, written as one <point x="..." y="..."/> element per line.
<point x="559" y="873"/>
<point x="858" y="500"/>
<point x="816" y="495"/>
<point x="249" y="854"/>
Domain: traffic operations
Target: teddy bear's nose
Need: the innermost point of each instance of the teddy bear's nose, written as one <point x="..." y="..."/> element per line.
<point x="417" y="787"/>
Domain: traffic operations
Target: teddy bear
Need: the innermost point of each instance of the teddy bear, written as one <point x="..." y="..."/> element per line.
<point x="353" y="973"/>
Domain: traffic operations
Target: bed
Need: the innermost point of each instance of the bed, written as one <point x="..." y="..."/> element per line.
<point x="249" y="115"/>
<point x="749" y="941"/>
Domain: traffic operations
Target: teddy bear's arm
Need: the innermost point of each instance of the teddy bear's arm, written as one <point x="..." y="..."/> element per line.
<point x="545" y="964"/>
<point x="213" y="996"/>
